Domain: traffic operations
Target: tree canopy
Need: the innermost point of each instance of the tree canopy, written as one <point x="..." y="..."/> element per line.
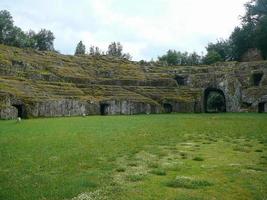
<point x="252" y="34"/>
<point x="115" y="49"/>
<point x="173" y="57"/>
<point x="80" y="49"/>
<point x="14" y="36"/>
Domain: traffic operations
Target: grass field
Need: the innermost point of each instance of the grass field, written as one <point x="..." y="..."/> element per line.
<point x="172" y="157"/>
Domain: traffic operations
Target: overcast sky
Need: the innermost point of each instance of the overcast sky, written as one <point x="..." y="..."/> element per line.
<point x="146" y="28"/>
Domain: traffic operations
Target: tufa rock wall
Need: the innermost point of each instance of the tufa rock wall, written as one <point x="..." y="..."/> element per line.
<point x="47" y="84"/>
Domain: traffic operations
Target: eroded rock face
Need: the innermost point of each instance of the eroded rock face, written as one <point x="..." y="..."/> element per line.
<point x="124" y="107"/>
<point x="45" y="84"/>
<point x="252" y="55"/>
<point x="9" y="112"/>
<point x="57" y="108"/>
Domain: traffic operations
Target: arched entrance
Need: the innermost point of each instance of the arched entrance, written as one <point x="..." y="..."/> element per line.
<point x="104" y="108"/>
<point x="167" y="107"/>
<point x="21" y="110"/>
<point x="214" y="100"/>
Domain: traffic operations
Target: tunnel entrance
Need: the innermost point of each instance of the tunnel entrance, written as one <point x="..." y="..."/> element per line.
<point x="214" y="101"/>
<point x="262" y="107"/>
<point x="104" y="109"/>
<point x="167" y="107"/>
<point x="21" y="110"/>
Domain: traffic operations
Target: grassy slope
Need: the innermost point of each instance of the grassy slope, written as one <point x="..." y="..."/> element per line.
<point x="135" y="157"/>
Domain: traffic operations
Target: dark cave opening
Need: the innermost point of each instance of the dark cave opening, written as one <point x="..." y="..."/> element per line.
<point x="214" y="101"/>
<point x="167" y="107"/>
<point x="21" y="110"/>
<point x="104" y="109"/>
<point x="180" y="80"/>
<point x="262" y="107"/>
<point x="256" y="78"/>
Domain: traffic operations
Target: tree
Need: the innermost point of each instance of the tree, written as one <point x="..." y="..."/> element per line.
<point x="127" y="56"/>
<point x="242" y="40"/>
<point x="10" y="34"/>
<point x="173" y="57"/>
<point x="261" y="39"/>
<point x="223" y="48"/>
<point x="95" y="51"/>
<point x="31" y="42"/>
<point x="212" y="57"/>
<point x="194" y="59"/>
<point x="257" y="14"/>
<point x="17" y="38"/>
<point x="253" y="32"/>
<point x="44" y="40"/>
<point x="115" y="49"/>
<point x="14" y="36"/>
<point x="80" y="49"/>
<point x="6" y="26"/>
<point x="256" y="11"/>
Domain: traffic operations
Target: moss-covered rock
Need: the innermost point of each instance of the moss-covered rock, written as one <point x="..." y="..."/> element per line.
<point x="48" y="83"/>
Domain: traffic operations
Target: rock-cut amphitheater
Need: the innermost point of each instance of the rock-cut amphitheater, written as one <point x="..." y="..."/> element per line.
<point x="47" y="84"/>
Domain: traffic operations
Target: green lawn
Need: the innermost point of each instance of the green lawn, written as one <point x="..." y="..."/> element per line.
<point x="177" y="156"/>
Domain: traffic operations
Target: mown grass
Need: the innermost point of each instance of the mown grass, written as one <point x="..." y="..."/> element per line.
<point x="177" y="156"/>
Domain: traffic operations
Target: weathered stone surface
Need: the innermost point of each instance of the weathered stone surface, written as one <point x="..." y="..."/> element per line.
<point x="252" y="55"/>
<point x="57" y="108"/>
<point x="129" y="108"/>
<point x="9" y="112"/>
<point x="46" y="84"/>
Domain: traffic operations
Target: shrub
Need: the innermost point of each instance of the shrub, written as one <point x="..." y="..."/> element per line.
<point x="258" y="150"/>
<point x="198" y="158"/>
<point x="187" y="182"/>
<point x="135" y="177"/>
<point x="153" y="165"/>
<point x="133" y="164"/>
<point x="120" y="169"/>
<point x="159" y="172"/>
<point x="184" y="155"/>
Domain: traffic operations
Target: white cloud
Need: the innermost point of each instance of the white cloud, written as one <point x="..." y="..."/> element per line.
<point x="139" y="25"/>
<point x="178" y="24"/>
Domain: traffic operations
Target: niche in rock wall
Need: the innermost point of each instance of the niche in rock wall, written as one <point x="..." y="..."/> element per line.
<point x="256" y="78"/>
<point x="22" y="113"/>
<point x="167" y="107"/>
<point x="104" y="108"/>
<point x="180" y="80"/>
<point x="262" y="107"/>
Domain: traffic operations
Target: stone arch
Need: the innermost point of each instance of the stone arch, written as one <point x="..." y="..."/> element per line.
<point x="167" y="107"/>
<point x="207" y="93"/>
<point x="104" y="108"/>
<point x="262" y="107"/>
<point x="22" y="113"/>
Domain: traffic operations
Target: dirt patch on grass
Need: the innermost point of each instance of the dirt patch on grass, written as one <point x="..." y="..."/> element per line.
<point x="95" y="195"/>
